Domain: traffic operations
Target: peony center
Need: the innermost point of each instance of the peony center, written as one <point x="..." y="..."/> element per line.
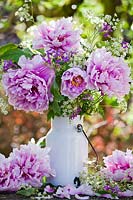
<point x="77" y="81"/>
<point x="34" y="90"/>
<point x="61" y="38"/>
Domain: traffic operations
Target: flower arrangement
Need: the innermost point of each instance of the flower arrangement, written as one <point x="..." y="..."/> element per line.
<point x="65" y="73"/>
<point x="115" y="179"/>
<point x="62" y="73"/>
<point x="25" y="172"/>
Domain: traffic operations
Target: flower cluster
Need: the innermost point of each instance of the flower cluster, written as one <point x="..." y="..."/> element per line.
<point x="61" y="70"/>
<point x="95" y="182"/>
<point x="83" y="191"/>
<point x="49" y="191"/>
<point x="25" y="166"/>
<point x="115" y="180"/>
<point x="23" y="13"/>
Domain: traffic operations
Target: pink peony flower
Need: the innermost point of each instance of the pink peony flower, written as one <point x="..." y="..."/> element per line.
<point x="31" y="163"/>
<point x="108" y="196"/>
<point x="28" y="88"/>
<point x="108" y="73"/>
<point x="119" y="166"/>
<point x="61" y="193"/>
<point x="127" y="193"/>
<point x="49" y="189"/>
<point x="59" y="36"/>
<point x="73" y="82"/>
<point x="85" y="189"/>
<point x="8" y="179"/>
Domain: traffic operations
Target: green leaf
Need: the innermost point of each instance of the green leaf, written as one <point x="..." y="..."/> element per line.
<point x="50" y="114"/>
<point x="27" y="52"/>
<point x="44" y="180"/>
<point x="55" y="92"/>
<point x="27" y="192"/>
<point x="103" y="192"/>
<point x="84" y="36"/>
<point x="56" y="107"/>
<point x="7" y="47"/>
<point x="42" y="144"/>
<point x="101" y="111"/>
<point x="54" y="88"/>
<point x="14" y="54"/>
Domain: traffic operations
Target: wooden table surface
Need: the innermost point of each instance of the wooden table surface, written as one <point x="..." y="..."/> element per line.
<point x="18" y="197"/>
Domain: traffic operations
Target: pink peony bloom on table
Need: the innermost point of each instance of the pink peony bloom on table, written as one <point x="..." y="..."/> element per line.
<point x="108" y="74"/>
<point x="85" y="189"/>
<point x="108" y="196"/>
<point x="8" y="179"/>
<point x="59" y="36"/>
<point x="119" y="166"/>
<point x="31" y="163"/>
<point x="127" y="193"/>
<point x="62" y="193"/>
<point x="28" y="88"/>
<point x="49" y="189"/>
<point x="73" y="83"/>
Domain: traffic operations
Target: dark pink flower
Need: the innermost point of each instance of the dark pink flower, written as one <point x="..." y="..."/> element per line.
<point x="106" y="30"/>
<point x="125" y="44"/>
<point x="8" y="64"/>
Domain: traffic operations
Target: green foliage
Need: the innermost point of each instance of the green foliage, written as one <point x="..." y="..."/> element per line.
<point x="44" y="180"/>
<point x="27" y="192"/>
<point x="6" y="48"/>
<point x="13" y="52"/>
<point x="54" y="3"/>
<point x="54" y="108"/>
<point x="55" y="90"/>
<point x="43" y="144"/>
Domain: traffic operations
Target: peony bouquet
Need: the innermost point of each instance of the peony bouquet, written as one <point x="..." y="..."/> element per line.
<point x="63" y="71"/>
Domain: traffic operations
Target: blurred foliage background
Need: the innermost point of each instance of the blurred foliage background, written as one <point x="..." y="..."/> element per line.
<point x="113" y="131"/>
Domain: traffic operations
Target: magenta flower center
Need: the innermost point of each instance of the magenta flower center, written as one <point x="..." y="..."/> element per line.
<point x="34" y="89"/>
<point x="61" y="38"/>
<point x="77" y="81"/>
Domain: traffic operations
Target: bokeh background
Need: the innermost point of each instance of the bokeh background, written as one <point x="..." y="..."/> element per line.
<point x="115" y="129"/>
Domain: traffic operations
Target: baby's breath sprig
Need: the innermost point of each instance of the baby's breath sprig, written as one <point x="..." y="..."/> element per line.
<point x="67" y="107"/>
<point x="118" y="47"/>
<point x="23" y="13"/>
<point x="3" y="106"/>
